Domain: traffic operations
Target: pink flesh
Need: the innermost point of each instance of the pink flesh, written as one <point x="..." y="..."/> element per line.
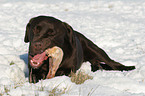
<point x="38" y="59"/>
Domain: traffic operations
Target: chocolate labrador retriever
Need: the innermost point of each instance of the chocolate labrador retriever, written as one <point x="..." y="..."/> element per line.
<point x="56" y="49"/>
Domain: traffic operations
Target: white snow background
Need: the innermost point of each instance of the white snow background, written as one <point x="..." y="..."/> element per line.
<point x="118" y="27"/>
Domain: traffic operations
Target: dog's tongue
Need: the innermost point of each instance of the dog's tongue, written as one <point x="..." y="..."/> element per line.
<point x="38" y="59"/>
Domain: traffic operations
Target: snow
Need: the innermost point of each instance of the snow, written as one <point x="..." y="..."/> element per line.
<point x="117" y="26"/>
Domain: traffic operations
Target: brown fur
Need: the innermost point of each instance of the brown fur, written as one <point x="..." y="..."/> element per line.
<point x="45" y="32"/>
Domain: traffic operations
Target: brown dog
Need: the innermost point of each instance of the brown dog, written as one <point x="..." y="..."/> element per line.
<point x="48" y="34"/>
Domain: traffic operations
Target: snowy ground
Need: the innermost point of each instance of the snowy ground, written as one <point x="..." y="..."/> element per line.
<point x="116" y="26"/>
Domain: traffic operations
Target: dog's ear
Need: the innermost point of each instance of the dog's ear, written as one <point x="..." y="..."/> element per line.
<point x="70" y="32"/>
<point x="26" y="39"/>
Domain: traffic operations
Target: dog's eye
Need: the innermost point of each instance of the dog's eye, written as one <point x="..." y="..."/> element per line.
<point x="37" y="29"/>
<point x="50" y="32"/>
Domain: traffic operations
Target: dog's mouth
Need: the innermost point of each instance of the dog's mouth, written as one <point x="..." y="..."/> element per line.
<point x="55" y="55"/>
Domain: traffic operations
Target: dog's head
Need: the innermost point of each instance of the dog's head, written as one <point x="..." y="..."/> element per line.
<point x="45" y="32"/>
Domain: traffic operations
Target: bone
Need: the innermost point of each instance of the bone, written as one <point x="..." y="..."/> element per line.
<point x="55" y="55"/>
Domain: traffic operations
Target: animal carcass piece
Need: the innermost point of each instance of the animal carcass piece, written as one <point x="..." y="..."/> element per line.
<point x="55" y="56"/>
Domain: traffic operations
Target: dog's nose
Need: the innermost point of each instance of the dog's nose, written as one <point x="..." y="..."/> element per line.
<point x="37" y="45"/>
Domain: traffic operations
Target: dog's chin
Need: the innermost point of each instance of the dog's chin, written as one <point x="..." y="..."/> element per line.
<point x="37" y="61"/>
